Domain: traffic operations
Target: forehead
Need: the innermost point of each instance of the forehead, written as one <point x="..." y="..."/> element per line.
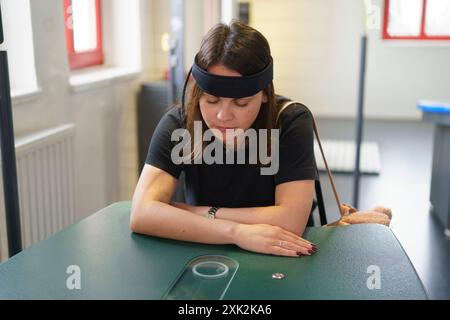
<point x="208" y="95"/>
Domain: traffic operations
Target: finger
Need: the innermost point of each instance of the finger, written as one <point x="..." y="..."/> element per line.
<point x="303" y="249"/>
<point x="367" y="217"/>
<point x="299" y="245"/>
<point x="385" y="210"/>
<point x="345" y="209"/>
<point x="370" y="217"/>
<point x="276" y="250"/>
<point x="294" y="237"/>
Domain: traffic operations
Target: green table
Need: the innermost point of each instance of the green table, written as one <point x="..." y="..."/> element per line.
<point x="117" y="264"/>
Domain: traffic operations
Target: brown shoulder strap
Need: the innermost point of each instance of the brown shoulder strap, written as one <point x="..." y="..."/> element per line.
<point x="316" y="132"/>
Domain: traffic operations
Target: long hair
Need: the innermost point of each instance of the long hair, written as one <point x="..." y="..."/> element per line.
<point x="243" y="49"/>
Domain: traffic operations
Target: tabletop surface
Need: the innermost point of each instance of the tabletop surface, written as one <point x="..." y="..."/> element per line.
<point x="115" y="263"/>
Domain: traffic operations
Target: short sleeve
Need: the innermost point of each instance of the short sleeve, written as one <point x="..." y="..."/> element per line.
<point x="296" y="146"/>
<point x="161" y="145"/>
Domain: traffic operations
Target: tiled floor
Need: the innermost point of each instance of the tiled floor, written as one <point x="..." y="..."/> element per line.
<point x="404" y="186"/>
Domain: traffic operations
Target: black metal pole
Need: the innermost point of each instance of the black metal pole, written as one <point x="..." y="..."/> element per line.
<point x="359" y="119"/>
<point x="8" y="157"/>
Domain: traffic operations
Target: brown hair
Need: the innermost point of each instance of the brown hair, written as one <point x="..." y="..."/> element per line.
<point x="241" y="48"/>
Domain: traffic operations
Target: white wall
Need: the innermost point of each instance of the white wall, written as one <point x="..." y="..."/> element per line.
<point x="400" y="73"/>
<point x="193" y="30"/>
<point x="158" y="16"/>
<point x="316" y="47"/>
<point x="104" y="116"/>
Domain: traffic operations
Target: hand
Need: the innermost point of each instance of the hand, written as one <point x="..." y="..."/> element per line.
<point x="347" y="209"/>
<point x="380" y="215"/>
<point x="265" y="238"/>
<point x="366" y="217"/>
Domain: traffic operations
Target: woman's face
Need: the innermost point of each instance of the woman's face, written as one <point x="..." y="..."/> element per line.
<point x="229" y="113"/>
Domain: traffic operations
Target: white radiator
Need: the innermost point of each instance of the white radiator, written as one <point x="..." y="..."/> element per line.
<point x="45" y="174"/>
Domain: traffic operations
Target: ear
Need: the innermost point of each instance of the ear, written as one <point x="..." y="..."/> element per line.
<point x="264" y="98"/>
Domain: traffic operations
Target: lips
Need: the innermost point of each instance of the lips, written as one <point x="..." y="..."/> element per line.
<point x="223" y="129"/>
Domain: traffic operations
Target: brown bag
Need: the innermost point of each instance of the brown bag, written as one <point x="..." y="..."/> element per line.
<point x="348" y="214"/>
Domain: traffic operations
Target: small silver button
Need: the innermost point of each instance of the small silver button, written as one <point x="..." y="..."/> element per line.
<point x="278" y="276"/>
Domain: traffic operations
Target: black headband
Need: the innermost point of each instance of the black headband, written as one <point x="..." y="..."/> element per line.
<point x="230" y="86"/>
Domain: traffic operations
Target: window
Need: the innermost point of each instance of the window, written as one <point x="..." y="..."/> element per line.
<point x="417" y="19"/>
<point x="83" y="33"/>
<point x="18" y="33"/>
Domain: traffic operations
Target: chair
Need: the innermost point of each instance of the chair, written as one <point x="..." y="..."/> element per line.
<point x="319" y="204"/>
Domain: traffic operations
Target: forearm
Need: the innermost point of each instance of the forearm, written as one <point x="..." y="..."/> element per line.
<point x="163" y="220"/>
<point x="273" y="215"/>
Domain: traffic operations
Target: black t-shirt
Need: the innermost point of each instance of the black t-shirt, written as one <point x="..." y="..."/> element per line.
<point x="239" y="185"/>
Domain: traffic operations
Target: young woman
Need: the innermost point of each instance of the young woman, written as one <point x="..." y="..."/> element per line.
<point x="231" y="203"/>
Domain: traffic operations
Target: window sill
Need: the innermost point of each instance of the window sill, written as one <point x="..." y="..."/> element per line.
<point x="100" y="77"/>
<point x="22" y="96"/>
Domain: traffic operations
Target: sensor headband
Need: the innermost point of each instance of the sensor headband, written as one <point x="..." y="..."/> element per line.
<point x="233" y="86"/>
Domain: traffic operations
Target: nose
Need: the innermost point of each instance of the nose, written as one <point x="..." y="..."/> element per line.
<point x="225" y="113"/>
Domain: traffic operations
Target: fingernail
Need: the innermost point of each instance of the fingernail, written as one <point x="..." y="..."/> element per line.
<point x="299" y="254"/>
<point x="314" y="247"/>
<point x="311" y="251"/>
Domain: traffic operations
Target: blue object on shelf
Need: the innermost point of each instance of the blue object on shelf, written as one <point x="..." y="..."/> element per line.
<point x="434" y="106"/>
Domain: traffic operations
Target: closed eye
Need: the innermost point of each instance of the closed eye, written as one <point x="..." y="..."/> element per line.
<point x="241" y="103"/>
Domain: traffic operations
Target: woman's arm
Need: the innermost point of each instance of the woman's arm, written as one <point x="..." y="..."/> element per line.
<point x="152" y="214"/>
<point x="293" y="202"/>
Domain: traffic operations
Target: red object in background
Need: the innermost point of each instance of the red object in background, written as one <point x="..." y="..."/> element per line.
<point x="78" y="60"/>
<point x="422" y="35"/>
